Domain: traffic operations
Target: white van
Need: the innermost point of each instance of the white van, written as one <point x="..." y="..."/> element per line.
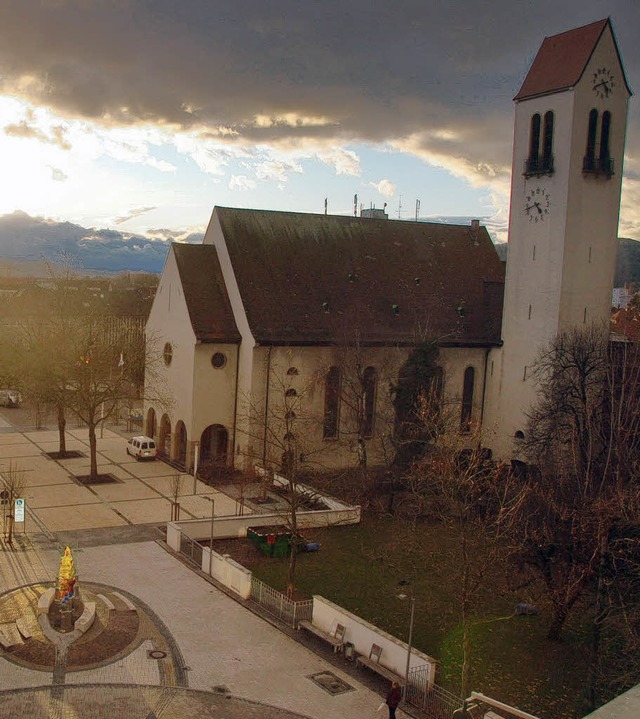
<point x="142" y="448"/>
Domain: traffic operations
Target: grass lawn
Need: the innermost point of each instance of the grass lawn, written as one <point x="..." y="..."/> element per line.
<point x="359" y="567"/>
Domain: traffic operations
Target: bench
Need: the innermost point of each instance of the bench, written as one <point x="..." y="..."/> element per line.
<point x="373" y="662"/>
<point x="45" y="600"/>
<point x="85" y="620"/>
<point x="336" y="639"/>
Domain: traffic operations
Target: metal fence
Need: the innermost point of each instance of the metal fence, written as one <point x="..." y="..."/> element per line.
<point x="280" y="605"/>
<point x="191" y="549"/>
<point x="435" y="701"/>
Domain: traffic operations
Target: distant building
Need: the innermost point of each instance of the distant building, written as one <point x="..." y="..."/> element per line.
<point x="620" y="297"/>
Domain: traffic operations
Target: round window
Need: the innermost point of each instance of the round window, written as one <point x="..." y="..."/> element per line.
<point x="218" y="360"/>
<point x="167" y="353"/>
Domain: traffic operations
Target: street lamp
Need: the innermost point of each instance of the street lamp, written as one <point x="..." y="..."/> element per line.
<point x="406" y="672"/>
<point x="213" y="506"/>
<point x="196" y="454"/>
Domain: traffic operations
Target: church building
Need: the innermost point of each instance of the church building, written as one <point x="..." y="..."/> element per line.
<point x="279" y="338"/>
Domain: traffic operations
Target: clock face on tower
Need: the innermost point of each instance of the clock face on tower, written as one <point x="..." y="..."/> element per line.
<point x="602" y="82"/>
<point x="537" y="205"/>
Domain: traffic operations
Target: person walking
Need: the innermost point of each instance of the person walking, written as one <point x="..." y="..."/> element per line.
<point x="393" y="699"/>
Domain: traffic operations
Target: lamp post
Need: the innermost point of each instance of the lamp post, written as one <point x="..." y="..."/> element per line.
<point x="196" y="455"/>
<point x="406" y="671"/>
<point x="213" y="505"/>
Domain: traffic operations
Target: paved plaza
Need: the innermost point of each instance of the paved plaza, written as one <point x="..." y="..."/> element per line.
<point x="193" y="652"/>
<point x="139" y="493"/>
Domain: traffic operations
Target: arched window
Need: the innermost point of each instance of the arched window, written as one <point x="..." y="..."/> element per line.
<point x="534" y="146"/>
<point x="467" y="400"/>
<point x="331" y="403"/>
<point x="369" y="382"/>
<point x="547" y="143"/>
<point x="605" y="150"/>
<point x="590" y="157"/>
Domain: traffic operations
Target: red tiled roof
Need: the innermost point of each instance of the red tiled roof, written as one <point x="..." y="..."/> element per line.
<point x="205" y="293"/>
<point x="307" y="279"/>
<point x="561" y="60"/>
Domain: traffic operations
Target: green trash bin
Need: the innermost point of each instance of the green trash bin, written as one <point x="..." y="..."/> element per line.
<point x="349" y="651"/>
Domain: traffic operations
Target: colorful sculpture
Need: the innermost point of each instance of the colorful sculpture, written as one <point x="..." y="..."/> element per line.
<point x="65" y="586"/>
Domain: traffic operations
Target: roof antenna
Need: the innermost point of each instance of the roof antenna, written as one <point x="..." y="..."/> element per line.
<point x="417" y="209"/>
<point x="325" y="205"/>
<point x="355" y="205"/>
<point x="400" y="208"/>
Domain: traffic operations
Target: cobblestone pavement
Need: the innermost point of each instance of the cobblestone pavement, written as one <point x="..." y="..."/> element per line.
<point x="133" y="702"/>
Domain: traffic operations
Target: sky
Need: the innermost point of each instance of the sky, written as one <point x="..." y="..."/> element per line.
<point x="127" y="121"/>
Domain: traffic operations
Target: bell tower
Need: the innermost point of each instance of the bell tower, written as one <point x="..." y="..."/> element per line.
<point x="570" y="124"/>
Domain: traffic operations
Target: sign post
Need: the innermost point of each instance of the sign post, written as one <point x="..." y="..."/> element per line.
<point x="18" y="512"/>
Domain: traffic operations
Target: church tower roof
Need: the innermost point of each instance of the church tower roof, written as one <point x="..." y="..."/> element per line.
<point x="562" y="59"/>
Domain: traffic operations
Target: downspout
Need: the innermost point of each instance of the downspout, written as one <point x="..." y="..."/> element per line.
<point x="484" y="385"/>
<point x="235" y="406"/>
<point x="266" y="409"/>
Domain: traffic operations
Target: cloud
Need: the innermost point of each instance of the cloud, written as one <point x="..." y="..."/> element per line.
<point x="241" y="183"/>
<point x="234" y="79"/>
<point x="133" y="213"/>
<point x="57" y="175"/>
<point x="276" y="169"/>
<point x="28" y="131"/>
<point x="244" y="75"/>
<point x="385" y="187"/>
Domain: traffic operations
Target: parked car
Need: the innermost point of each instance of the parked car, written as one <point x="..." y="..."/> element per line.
<point x="10" y="398"/>
<point x="142" y="448"/>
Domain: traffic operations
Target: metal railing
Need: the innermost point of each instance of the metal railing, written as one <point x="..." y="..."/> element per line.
<point x="278" y="604"/>
<point x="191" y="549"/>
<point x="435" y="701"/>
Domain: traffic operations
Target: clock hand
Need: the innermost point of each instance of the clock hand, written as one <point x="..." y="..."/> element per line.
<point x="537" y="206"/>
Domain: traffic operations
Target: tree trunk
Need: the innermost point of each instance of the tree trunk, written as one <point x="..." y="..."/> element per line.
<point x="291" y="574"/>
<point x="560" y="614"/>
<point x="465" y="675"/>
<point x="293" y="525"/>
<point x="62" y="423"/>
<point x="93" y="450"/>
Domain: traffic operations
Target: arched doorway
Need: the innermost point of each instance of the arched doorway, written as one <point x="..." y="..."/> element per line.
<point x="164" y="436"/>
<point x="213" y="445"/>
<point x="181" y="442"/>
<point x="151" y="423"/>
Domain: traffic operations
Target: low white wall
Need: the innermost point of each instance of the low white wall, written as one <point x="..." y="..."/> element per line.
<point x="227" y="571"/>
<point x="326" y="615"/>
<point x="331" y="502"/>
<point x="173" y="536"/>
<point x="228" y="527"/>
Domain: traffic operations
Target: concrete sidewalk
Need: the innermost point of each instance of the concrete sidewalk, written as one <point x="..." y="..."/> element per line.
<point x="248" y="666"/>
<point x="139" y="493"/>
<point x="225" y="647"/>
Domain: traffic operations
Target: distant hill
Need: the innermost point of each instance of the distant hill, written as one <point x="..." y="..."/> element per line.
<point x="627" y="264"/>
<point x="36" y="240"/>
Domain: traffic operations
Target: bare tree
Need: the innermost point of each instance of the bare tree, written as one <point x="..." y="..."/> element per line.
<point x="455" y="481"/>
<point x="15" y="483"/>
<point x="175" y="486"/>
<point x="280" y="438"/>
<point x="583" y="444"/>
<point x="101" y="374"/>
